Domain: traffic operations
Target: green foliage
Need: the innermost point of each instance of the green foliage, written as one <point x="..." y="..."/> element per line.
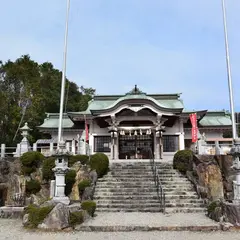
<point x="30" y="161"/>
<point x="99" y="162"/>
<point x="48" y="165"/>
<point x="83" y="159"/>
<point x="25" y="80"/>
<point x="70" y="180"/>
<point x="212" y="206"/>
<point x="183" y="160"/>
<point x="89" y="206"/>
<point x="37" y="214"/>
<point x="83" y="184"/>
<point x="76" y="218"/>
<point x="33" y="187"/>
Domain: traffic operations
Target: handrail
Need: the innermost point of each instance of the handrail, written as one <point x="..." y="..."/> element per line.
<point x="160" y="191"/>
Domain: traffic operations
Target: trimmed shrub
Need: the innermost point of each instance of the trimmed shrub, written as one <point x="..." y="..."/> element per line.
<point x="100" y="163"/>
<point x="69" y="180"/>
<point x="83" y="184"/>
<point x="48" y="165"/>
<point x="76" y="218"/>
<point x="183" y="160"/>
<point x="37" y="214"/>
<point x="30" y="161"/>
<point x="83" y="159"/>
<point x="89" y="206"/>
<point x="212" y="206"/>
<point x="33" y="187"/>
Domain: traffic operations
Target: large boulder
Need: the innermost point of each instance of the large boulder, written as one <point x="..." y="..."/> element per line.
<point x="231" y="212"/>
<point x="210" y="177"/>
<point x="81" y="174"/>
<point x="57" y="219"/>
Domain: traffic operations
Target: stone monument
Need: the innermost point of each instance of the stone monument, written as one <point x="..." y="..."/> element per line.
<point x="60" y="171"/>
<point x="24" y="145"/>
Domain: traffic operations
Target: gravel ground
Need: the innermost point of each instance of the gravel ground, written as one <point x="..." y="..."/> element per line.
<point x="150" y="219"/>
<point x="12" y="230"/>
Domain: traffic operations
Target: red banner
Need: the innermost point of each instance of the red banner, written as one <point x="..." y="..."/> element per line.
<point x="86" y="131"/>
<point x="193" y="119"/>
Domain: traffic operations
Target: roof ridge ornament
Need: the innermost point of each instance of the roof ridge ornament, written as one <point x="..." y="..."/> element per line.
<point x="135" y="91"/>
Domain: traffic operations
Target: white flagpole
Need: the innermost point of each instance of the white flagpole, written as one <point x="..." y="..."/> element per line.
<point x="63" y="76"/>
<point x="234" y="131"/>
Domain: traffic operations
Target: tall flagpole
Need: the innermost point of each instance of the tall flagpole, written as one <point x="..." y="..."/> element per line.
<point x="234" y="131"/>
<point x="63" y="76"/>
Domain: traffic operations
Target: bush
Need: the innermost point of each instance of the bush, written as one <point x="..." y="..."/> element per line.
<point x="83" y="159"/>
<point x="76" y="218"/>
<point x="183" y="160"/>
<point x="212" y="206"/>
<point x="89" y="206"/>
<point x="69" y="180"/>
<point x="48" y="165"/>
<point x="33" y="187"/>
<point x="100" y="163"/>
<point x="30" y="161"/>
<point x="37" y="214"/>
<point x="83" y="184"/>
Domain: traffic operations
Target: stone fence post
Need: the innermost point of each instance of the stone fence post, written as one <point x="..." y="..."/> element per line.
<point x="35" y="147"/>
<point x="3" y="149"/>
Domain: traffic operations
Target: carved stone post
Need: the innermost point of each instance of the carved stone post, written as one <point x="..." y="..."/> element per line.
<point x="114" y="137"/>
<point x="235" y="152"/>
<point x="159" y="129"/>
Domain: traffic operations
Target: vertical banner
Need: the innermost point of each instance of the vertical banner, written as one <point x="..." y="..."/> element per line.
<point x="86" y="131"/>
<point x="193" y="119"/>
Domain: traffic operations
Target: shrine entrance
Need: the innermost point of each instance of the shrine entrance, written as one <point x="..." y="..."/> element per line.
<point x="135" y="146"/>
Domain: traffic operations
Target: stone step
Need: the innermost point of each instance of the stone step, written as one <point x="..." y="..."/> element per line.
<point x="153" y="209"/>
<point x="141" y="184"/>
<point x="186" y="210"/>
<point x="149" y="201"/>
<point x="143" y="189"/>
<point x="146" y="197"/>
<point x="149" y="205"/>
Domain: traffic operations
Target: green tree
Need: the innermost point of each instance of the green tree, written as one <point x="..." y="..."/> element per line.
<point x="29" y="90"/>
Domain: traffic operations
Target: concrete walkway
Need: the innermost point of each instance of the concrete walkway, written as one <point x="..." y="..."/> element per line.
<point x="122" y="221"/>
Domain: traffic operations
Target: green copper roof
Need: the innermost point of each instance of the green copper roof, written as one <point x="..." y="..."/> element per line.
<point x="52" y="121"/>
<point x="216" y="118"/>
<point x="103" y="103"/>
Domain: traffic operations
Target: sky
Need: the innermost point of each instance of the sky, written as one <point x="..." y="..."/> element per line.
<point x="173" y="46"/>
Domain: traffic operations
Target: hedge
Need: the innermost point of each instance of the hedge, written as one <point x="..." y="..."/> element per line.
<point x="30" y="161"/>
<point x="83" y="159"/>
<point x="89" y="206"/>
<point x="69" y="180"/>
<point x="100" y="163"/>
<point x="32" y="187"/>
<point x="76" y="218"/>
<point x="37" y="214"/>
<point x="182" y="160"/>
<point x="48" y="165"/>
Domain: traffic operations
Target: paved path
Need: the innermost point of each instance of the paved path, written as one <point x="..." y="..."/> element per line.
<point x="12" y="230"/>
<point x="115" y="220"/>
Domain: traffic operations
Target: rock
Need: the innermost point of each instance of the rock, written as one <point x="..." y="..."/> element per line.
<point x="86" y="215"/>
<point x="226" y="226"/>
<point x="217" y="214"/>
<point x="88" y="193"/>
<point x="25" y="220"/>
<point x="48" y="203"/>
<point x="210" y="177"/>
<point x="231" y="213"/>
<point x="80" y="175"/>
<point x="93" y="176"/>
<point x="57" y="219"/>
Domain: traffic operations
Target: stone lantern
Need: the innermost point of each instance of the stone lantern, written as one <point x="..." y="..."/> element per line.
<point x="24" y="145"/>
<point x="60" y="170"/>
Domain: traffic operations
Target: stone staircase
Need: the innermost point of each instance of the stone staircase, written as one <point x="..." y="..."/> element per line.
<point x="130" y="187"/>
